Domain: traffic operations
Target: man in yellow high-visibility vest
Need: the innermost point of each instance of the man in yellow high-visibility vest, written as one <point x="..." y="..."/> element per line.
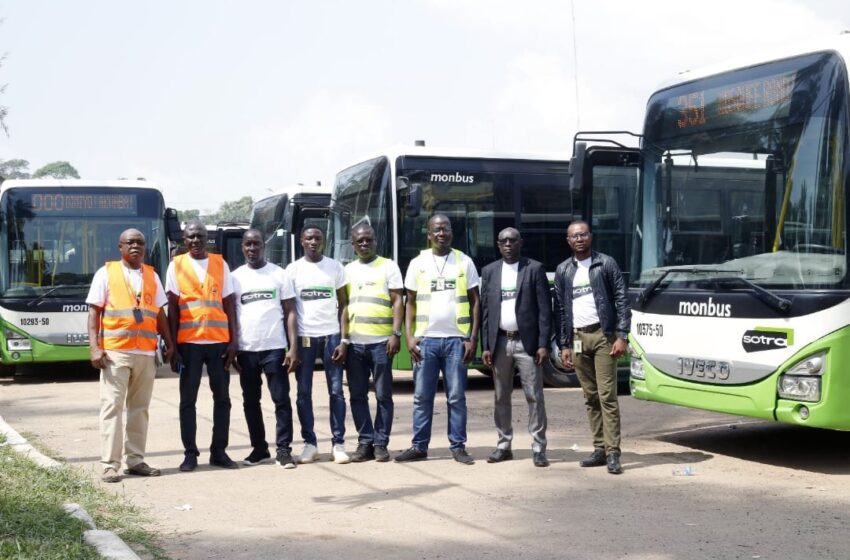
<point x="375" y="313"/>
<point x="125" y="315"/>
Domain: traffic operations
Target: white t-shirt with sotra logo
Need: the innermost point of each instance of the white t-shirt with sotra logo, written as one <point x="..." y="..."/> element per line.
<point x="357" y="274"/>
<point x="315" y="286"/>
<point x="507" y="317"/>
<point x="259" y="292"/>
<point x="443" y="272"/>
<point x="584" y="306"/>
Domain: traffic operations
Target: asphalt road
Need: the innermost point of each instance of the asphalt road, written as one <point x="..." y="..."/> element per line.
<point x="758" y="490"/>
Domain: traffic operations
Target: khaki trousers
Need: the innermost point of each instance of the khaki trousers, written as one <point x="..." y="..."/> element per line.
<point x="127" y="378"/>
<point x="596" y="370"/>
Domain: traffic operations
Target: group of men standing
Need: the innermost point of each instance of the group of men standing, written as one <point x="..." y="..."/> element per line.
<point x="262" y="319"/>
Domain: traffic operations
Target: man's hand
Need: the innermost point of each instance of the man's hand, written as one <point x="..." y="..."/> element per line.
<point x="229" y="356"/>
<point x="393" y="345"/>
<point x="541" y="356"/>
<point x="167" y="354"/>
<point x="487" y="358"/>
<point x="339" y="354"/>
<point x="291" y="360"/>
<point x="176" y="362"/>
<point x="99" y="359"/>
<point x="619" y="348"/>
<point x="468" y="350"/>
<point x="413" y="347"/>
<point x="567" y="357"/>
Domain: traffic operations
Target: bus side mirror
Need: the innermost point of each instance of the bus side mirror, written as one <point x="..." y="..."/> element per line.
<point x="577" y="166"/>
<point x="172" y="226"/>
<point x="413" y="203"/>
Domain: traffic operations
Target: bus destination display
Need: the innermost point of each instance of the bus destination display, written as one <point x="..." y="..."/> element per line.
<point x="111" y="204"/>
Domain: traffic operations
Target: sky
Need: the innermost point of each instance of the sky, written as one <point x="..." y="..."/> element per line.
<point x="215" y="100"/>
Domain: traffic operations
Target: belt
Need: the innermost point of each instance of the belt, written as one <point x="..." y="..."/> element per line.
<point x="588" y="328"/>
<point x="510" y="335"/>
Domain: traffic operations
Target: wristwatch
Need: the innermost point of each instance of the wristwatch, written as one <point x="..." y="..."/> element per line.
<point x="397" y="333"/>
<point x="345" y="341"/>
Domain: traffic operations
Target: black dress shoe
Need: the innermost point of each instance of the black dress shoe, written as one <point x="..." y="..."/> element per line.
<point x="461" y="456"/>
<point x="223" y="461"/>
<point x="498" y="455"/>
<point x="190" y="463"/>
<point x="540" y="459"/>
<point x="596" y="459"/>
<point x="411" y="454"/>
<point x="614" y="463"/>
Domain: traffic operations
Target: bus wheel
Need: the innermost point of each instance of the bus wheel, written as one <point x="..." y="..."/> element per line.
<point x="7" y="370"/>
<point x="554" y="372"/>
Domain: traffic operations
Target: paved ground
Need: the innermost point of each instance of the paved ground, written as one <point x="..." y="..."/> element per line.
<point x="760" y="490"/>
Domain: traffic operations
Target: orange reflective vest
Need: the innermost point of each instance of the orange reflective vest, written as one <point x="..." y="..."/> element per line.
<point x="120" y="329"/>
<point x="202" y="315"/>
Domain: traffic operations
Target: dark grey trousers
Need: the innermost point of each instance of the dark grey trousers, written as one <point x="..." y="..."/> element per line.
<point x="510" y="354"/>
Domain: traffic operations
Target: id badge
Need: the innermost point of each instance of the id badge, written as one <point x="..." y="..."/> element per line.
<point x="577" y="345"/>
<point x="441" y="284"/>
<point x="137" y="315"/>
<point x="305" y="341"/>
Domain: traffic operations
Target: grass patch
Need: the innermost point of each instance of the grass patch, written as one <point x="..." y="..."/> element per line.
<point x="33" y="523"/>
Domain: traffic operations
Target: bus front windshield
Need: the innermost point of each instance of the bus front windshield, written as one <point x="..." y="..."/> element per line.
<point x="743" y="176"/>
<point x="53" y="240"/>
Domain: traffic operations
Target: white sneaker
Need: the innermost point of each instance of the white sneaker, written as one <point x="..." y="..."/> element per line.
<point x="309" y="454"/>
<point x="340" y="456"/>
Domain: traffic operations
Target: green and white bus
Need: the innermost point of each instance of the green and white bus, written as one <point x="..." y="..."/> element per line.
<point x="741" y="300"/>
<point x="55" y="234"/>
<point x="398" y="190"/>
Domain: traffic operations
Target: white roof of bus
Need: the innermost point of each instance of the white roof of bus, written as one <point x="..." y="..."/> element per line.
<point x="428" y="151"/>
<point x="836" y="43"/>
<point x="292" y="190"/>
<point x="74" y="183"/>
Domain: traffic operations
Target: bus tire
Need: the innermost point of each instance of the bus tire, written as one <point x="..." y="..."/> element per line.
<point x="7" y="370"/>
<point x="554" y="372"/>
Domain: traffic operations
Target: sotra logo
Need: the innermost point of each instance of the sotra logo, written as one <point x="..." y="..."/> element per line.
<point x="451" y="178"/>
<point x="766" y="338"/>
<point x="309" y="294"/>
<point x="705" y="308"/>
<point x="260" y="295"/>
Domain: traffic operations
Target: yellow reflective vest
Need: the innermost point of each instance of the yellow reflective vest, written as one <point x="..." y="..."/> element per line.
<point x="424" y="281"/>
<point x="370" y="310"/>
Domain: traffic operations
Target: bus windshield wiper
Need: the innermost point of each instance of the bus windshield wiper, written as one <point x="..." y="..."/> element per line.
<point x="36" y="300"/>
<point x="778" y="303"/>
<point x="650" y="290"/>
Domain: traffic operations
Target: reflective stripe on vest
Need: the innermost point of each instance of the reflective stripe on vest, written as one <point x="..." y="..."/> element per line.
<point x="202" y="315"/>
<point x="370" y="310"/>
<point x="423" y="297"/>
<point x="118" y="324"/>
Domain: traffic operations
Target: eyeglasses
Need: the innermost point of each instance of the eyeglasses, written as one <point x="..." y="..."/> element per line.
<point x="579" y="235"/>
<point x="441" y="230"/>
<point x="508" y="240"/>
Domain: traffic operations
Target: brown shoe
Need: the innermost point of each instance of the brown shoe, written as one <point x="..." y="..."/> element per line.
<point x="142" y="469"/>
<point x="110" y="475"/>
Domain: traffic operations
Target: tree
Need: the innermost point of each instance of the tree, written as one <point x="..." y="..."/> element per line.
<point x="15" y="169"/>
<point x="232" y="211"/>
<point x="186" y="215"/>
<point x="57" y="170"/>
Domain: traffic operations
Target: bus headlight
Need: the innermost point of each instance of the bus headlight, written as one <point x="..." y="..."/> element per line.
<point x="799" y="387"/>
<point x="17" y="342"/>
<point x="813" y="365"/>
<point x="636" y="367"/>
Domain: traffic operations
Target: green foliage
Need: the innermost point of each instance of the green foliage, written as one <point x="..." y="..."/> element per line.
<point x="186" y="215"/>
<point x="34" y="525"/>
<point x="15" y="169"/>
<point x="231" y="211"/>
<point x="57" y="170"/>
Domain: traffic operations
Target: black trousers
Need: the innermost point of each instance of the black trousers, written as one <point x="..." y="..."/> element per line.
<point x="195" y="356"/>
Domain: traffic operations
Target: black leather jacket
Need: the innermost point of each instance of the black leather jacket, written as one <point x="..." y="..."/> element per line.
<point x="609" y="291"/>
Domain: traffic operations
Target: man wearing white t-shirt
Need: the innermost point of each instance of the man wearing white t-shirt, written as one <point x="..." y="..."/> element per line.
<point x="321" y="305"/>
<point x="375" y="313"/>
<point x="442" y="330"/>
<point x="264" y="303"/>
<point x="516" y="315"/>
<point x="594" y="316"/>
<point x="125" y="315"/>
<point x="202" y="317"/>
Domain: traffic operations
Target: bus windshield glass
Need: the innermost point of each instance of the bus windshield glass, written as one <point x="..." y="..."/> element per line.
<point x="744" y="172"/>
<point x="54" y="239"/>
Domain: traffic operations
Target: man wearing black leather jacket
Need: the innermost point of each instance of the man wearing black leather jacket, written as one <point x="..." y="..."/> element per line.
<point x="593" y="318"/>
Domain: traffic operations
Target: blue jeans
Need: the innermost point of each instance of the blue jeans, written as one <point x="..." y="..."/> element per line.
<point x="194" y="357"/>
<point x="320" y="346"/>
<point x="253" y="364"/>
<point x="446" y="355"/>
<point x="362" y="360"/>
